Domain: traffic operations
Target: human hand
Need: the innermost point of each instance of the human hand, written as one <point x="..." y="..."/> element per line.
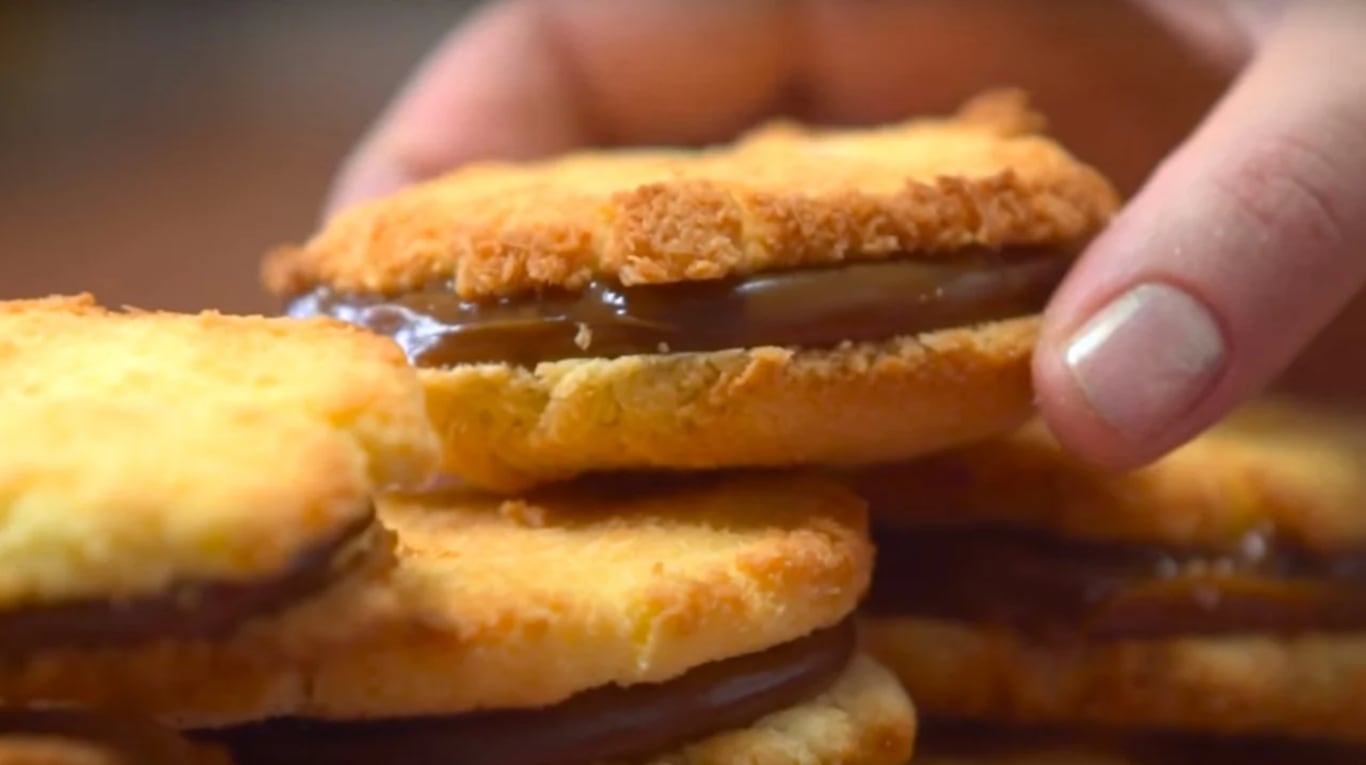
<point x="1227" y="261"/>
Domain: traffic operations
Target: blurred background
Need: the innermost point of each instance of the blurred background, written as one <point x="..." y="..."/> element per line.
<point x="150" y="152"/>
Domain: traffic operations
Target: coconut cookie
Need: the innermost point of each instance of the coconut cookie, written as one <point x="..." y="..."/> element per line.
<point x="171" y="476"/>
<point x="800" y="296"/>
<point x="700" y="623"/>
<point x="1221" y="589"/>
<point x="704" y="623"/>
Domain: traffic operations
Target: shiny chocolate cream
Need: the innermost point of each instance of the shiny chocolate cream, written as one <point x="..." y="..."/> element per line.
<point x="34" y="735"/>
<point x="808" y="308"/>
<point x="189" y="610"/>
<point x="1053" y="587"/>
<point x="611" y="723"/>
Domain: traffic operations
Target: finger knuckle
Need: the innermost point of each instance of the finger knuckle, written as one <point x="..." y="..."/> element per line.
<point x="1289" y="190"/>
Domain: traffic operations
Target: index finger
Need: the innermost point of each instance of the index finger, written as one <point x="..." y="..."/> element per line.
<point x="515" y="82"/>
<point x="530" y="78"/>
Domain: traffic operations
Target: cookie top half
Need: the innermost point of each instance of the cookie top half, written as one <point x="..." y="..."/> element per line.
<point x="525" y="602"/>
<point x="781" y="197"/>
<point x="149" y="457"/>
<point x="1274" y="470"/>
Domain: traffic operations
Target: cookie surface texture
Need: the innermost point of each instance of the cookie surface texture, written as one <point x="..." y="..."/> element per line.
<point x="142" y="453"/>
<point x="508" y="428"/>
<point x="781" y="197"/>
<point x="522" y="603"/>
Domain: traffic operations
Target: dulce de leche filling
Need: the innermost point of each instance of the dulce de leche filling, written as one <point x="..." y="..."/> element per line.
<point x="195" y="609"/>
<point x="611" y="723"/>
<point x="1041" y="584"/>
<point x="808" y="308"/>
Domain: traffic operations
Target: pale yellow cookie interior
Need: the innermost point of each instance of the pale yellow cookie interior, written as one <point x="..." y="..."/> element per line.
<point x="507" y="428"/>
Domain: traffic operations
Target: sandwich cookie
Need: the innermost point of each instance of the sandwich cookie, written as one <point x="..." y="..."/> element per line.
<point x="700" y="624"/>
<point x="959" y="743"/>
<point x="801" y="296"/>
<point x="1221" y="589"/>
<point x="72" y="737"/>
<point x="173" y="477"/>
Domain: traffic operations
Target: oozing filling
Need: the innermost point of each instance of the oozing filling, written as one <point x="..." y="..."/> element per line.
<point x="817" y="307"/>
<point x="1042" y="584"/>
<point x="88" y="737"/>
<point x="195" y="609"/>
<point x="957" y="741"/>
<point x="611" y="723"/>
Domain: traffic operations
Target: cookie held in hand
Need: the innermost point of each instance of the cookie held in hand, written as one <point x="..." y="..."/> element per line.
<point x="800" y="296"/>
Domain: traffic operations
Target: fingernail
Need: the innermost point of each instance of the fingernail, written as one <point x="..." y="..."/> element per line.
<point x="1146" y="358"/>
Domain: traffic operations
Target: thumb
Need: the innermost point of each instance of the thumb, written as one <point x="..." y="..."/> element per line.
<point x="1235" y="254"/>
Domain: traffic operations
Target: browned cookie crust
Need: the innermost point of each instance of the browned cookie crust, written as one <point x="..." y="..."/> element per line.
<point x="782" y="197"/>
<point x="1220" y="589"/>
<point x="801" y="296"/>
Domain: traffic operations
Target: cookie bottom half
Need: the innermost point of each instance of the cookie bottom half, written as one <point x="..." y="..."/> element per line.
<point x="1307" y="686"/>
<point x="507" y="428"/>
<point x="860" y="716"/>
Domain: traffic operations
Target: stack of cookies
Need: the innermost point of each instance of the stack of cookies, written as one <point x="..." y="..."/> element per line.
<point x="1208" y="608"/>
<point x="571" y="462"/>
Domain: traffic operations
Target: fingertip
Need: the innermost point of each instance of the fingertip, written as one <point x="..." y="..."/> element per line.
<point x="367" y="174"/>
<point x="1070" y="417"/>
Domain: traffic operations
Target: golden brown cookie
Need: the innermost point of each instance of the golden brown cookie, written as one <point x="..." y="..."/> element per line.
<point x="1221" y="589"/>
<point x="1273" y="467"/>
<point x="1311" y="686"/>
<point x="663" y="613"/>
<point x="167" y="475"/>
<point x="800" y="296"/>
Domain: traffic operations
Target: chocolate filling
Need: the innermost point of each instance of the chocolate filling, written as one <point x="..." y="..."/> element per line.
<point x="120" y="740"/>
<point x="196" y="609"/>
<point x="979" y="742"/>
<point x="809" y="308"/>
<point x="605" y="724"/>
<point x="1059" y="588"/>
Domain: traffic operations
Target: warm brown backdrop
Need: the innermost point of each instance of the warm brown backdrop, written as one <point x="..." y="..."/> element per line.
<point x="153" y="150"/>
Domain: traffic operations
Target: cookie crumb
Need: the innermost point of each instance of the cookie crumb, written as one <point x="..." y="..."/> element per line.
<point x="522" y="513"/>
<point x="584" y="337"/>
